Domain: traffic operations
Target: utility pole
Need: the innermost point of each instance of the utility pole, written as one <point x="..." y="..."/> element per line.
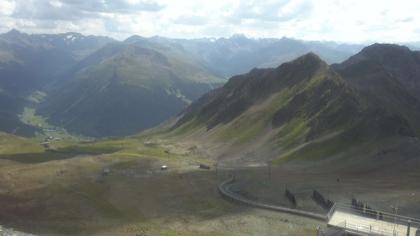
<point x="217" y="173"/>
<point x="408" y="227"/>
<point x="395" y="209"/>
<point x="269" y="170"/>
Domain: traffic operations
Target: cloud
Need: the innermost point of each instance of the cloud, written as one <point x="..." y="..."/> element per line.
<point x="74" y="10"/>
<point x="113" y="6"/>
<point x="272" y="10"/>
<point x="404" y="20"/>
<point x="191" y="20"/>
<point x="6" y="7"/>
<point x="340" y="20"/>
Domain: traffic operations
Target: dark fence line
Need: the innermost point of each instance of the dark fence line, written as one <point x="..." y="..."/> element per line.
<point x="291" y="197"/>
<point x="365" y="209"/>
<point x="322" y="201"/>
<point x="228" y="194"/>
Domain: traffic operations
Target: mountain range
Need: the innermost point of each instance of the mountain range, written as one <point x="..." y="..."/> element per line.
<point x="30" y="62"/>
<point x="306" y="109"/>
<point x="238" y="54"/>
<point x="98" y="86"/>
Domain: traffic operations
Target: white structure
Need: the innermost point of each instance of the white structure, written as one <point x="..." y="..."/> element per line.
<point x="348" y="221"/>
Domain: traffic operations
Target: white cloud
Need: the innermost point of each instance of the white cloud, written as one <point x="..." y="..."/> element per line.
<point x="7" y="7"/>
<point x="339" y="20"/>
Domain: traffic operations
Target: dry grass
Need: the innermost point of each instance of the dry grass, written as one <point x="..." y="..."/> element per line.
<point x="71" y="196"/>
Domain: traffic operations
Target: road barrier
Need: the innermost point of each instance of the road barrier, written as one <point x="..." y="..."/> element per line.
<point x="227" y="193"/>
<point x="359" y="208"/>
<point x="322" y="201"/>
<point x="291" y="197"/>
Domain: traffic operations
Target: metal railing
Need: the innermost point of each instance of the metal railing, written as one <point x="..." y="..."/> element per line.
<point x="366" y="229"/>
<point x="375" y="214"/>
<point x="226" y="192"/>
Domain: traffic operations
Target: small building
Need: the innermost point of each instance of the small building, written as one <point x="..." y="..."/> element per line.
<point x="106" y="171"/>
<point x="205" y="167"/>
<point x="149" y="143"/>
<point x="46" y="144"/>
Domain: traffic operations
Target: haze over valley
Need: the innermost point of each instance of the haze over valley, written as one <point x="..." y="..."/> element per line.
<point x="81" y="80"/>
<point x="264" y="118"/>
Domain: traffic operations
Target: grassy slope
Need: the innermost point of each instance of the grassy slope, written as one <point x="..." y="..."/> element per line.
<point x="256" y="121"/>
<point x="11" y="144"/>
<point x="320" y="118"/>
<point x="131" y="89"/>
<point x="11" y="104"/>
<point x="69" y="195"/>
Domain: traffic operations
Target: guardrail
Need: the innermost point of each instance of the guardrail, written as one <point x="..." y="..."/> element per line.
<point x="225" y="191"/>
<point x="365" y="229"/>
<point x="385" y="216"/>
<point x="331" y="212"/>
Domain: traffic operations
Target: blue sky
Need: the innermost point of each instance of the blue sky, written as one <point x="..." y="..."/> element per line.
<point x="337" y="20"/>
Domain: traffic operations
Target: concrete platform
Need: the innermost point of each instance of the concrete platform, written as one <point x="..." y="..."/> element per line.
<point x="360" y="225"/>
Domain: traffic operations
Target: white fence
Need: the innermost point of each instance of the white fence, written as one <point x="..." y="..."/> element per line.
<point x="362" y="222"/>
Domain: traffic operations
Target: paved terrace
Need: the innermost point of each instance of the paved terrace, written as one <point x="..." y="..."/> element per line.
<point x="352" y="222"/>
<point x="342" y="218"/>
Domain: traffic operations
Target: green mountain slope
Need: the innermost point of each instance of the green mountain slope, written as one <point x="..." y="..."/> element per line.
<point x="389" y="76"/>
<point x="9" y="120"/>
<point x="123" y="89"/>
<point x="185" y="70"/>
<point x="30" y="62"/>
<point x="303" y="109"/>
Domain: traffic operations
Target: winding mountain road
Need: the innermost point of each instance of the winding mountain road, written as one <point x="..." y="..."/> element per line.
<point x="225" y="191"/>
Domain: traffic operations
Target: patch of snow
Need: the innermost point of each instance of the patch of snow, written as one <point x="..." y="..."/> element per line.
<point x="71" y="37"/>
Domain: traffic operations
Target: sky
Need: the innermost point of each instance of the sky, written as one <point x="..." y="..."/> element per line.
<point x="355" y="21"/>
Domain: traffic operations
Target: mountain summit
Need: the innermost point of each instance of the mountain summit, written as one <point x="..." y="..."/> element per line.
<point x="389" y="77"/>
<point x="303" y="108"/>
<point x="398" y="62"/>
<point x="243" y="91"/>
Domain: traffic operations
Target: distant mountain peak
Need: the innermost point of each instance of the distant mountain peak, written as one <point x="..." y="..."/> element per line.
<point x="384" y="51"/>
<point x="135" y="38"/>
<point x="247" y="90"/>
<point x="238" y="36"/>
<point x="384" y="46"/>
<point x="310" y="57"/>
<point x="391" y="56"/>
<point x="74" y="34"/>
<point x="309" y="62"/>
<point x="14" y="33"/>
